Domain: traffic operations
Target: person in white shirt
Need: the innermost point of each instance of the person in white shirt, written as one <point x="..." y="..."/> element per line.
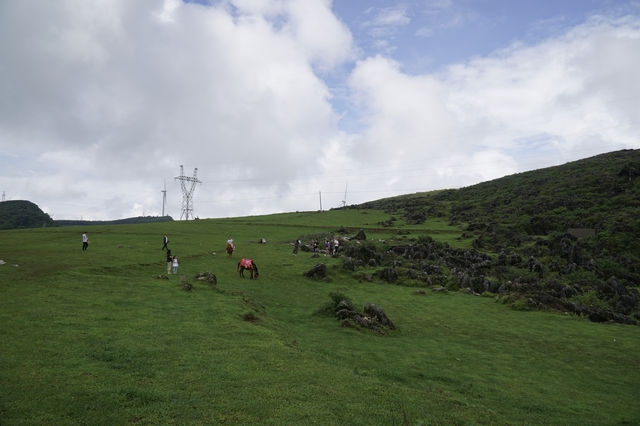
<point x="85" y="241"/>
<point x="175" y="264"/>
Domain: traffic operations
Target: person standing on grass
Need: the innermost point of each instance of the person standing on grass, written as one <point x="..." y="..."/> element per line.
<point x="295" y="247"/>
<point x="175" y="264"/>
<point x="169" y="261"/>
<point x="165" y="241"/>
<point x="230" y="247"/>
<point x="85" y="241"/>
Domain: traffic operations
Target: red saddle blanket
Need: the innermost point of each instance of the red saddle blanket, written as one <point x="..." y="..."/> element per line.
<point x="247" y="263"/>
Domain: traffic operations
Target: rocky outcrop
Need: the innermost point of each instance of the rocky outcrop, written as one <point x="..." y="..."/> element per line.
<point x="318" y="272"/>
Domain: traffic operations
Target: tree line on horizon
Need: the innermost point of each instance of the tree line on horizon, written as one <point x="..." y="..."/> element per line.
<point x="20" y="214"/>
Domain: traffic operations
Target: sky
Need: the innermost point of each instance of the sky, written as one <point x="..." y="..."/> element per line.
<point x="297" y="105"/>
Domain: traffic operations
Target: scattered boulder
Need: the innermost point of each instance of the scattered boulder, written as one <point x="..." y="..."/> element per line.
<point x="347" y="324"/>
<point x="390" y="275"/>
<point x="319" y="271"/>
<point x="378" y="315"/>
<point x="360" y="235"/>
<point x="348" y="264"/>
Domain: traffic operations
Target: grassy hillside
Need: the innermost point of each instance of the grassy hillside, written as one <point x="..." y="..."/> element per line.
<point x="565" y="237"/>
<point x="98" y="338"/>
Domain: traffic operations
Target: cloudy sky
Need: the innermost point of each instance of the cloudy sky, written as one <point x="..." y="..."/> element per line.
<point x="282" y="103"/>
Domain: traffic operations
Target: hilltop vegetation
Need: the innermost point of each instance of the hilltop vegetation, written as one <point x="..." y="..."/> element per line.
<point x="22" y="214"/>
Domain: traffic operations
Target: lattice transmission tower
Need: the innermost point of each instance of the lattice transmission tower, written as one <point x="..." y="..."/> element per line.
<point x="188" y="185"/>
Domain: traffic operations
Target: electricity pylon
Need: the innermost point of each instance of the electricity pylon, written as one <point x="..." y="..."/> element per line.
<point x="187" y="191"/>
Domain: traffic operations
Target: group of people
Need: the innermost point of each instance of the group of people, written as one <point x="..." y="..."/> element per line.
<point x="331" y="246"/>
<point x="172" y="261"/>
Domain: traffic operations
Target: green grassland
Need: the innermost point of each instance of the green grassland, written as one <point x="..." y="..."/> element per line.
<point x="97" y="338"/>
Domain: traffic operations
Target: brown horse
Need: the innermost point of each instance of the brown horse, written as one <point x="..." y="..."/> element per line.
<point x="229" y="249"/>
<point x="249" y="265"/>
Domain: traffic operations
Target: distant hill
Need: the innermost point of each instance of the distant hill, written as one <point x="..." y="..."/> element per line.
<point x="131" y="220"/>
<point x="23" y="214"/>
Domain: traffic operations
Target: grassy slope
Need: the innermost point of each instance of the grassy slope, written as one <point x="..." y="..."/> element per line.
<point x="94" y="338"/>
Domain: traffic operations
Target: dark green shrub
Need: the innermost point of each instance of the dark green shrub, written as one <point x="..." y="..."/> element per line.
<point x="329" y="308"/>
<point x="250" y="316"/>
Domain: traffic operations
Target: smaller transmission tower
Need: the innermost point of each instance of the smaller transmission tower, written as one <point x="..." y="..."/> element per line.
<point x="344" y="202"/>
<point x="3" y="196"/>
<point x="164" y="197"/>
<point x="188" y="185"/>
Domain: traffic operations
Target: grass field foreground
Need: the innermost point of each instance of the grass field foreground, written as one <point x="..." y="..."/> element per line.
<point x="97" y="338"/>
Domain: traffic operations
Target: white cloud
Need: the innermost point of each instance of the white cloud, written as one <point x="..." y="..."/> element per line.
<point x="390" y="16"/>
<point x="103" y="101"/>
<point x="576" y="95"/>
<point x="385" y="21"/>
<point x="105" y="95"/>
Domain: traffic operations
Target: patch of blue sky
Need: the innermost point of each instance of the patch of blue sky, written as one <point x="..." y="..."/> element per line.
<point x="426" y="36"/>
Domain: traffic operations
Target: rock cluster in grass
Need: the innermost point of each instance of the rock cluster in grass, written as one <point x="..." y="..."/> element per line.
<point x="372" y="317"/>
<point x="206" y="276"/>
<point x="545" y="280"/>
